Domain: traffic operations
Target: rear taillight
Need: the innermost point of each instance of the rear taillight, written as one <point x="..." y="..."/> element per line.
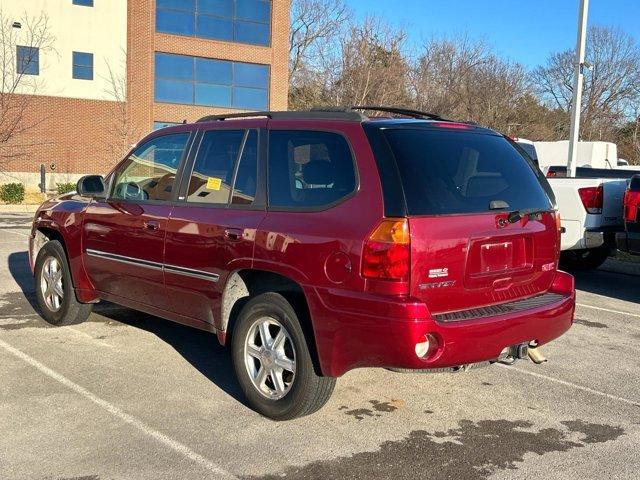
<point x="631" y="206"/>
<point x="551" y="174"/>
<point x="592" y="198"/>
<point x="386" y="254"/>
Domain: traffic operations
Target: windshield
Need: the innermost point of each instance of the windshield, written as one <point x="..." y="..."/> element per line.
<point x="453" y="172"/>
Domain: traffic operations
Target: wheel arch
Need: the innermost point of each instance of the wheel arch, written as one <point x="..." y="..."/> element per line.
<point x="245" y="284"/>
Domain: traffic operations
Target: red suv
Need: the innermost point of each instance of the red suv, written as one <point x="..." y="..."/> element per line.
<point x="316" y="242"/>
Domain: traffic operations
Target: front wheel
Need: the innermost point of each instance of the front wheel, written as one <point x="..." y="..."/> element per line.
<point x="272" y="361"/>
<point x="583" y="259"/>
<point x="54" y="288"/>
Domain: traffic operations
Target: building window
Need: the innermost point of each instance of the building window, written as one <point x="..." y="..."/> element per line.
<point x="243" y="21"/>
<point x="27" y="60"/>
<point x="84" y="3"/>
<point x="83" y="66"/>
<point x="212" y="83"/>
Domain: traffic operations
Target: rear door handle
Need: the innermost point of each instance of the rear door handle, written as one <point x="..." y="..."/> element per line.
<point x="233" y="234"/>
<point x="151" y="225"/>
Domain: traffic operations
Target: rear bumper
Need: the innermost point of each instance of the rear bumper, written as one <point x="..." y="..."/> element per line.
<point x="348" y="336"/>
<point x="628" y="242"/>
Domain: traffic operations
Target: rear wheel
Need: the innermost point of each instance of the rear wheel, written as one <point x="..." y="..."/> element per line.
<point x="273" y="363"/>
<point x="54" y="288"/>
<point x="583" y="259"/>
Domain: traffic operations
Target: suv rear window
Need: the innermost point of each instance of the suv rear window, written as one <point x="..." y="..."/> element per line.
<point x="447" y="172"/>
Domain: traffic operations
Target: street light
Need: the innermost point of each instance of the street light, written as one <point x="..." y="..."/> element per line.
<point x="574" y="134"/>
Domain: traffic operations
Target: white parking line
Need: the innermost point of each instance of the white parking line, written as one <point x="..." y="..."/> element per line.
<point x="125" y="417"/>
<point x="573" y="385"/>
<point x="16" y="233"/>
<point x="608" y="310"/>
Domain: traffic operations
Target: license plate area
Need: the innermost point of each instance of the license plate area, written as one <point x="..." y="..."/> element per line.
<point x="491" y="258"/>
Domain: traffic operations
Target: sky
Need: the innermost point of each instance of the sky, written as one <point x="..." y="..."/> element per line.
<point x="525" y="31"/>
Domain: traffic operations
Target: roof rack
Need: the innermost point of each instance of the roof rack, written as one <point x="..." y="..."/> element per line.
<point x="326" y="113"/>
<point x="315" y="114"/>
<point x="400" y="111"/>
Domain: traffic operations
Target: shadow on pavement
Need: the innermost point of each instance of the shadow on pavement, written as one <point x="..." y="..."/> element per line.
<point x="614" y="285"/>
<point x="21" y="273"/>
<point x="201" y="349"/>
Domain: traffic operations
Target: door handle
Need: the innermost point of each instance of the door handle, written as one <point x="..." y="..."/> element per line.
<point x="151" y="225"/>
<point x="233" y="234"/>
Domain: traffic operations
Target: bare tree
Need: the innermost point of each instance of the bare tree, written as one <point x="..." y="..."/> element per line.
<point x="372" y="68"/>
<point x="32" y="34"/>
<point x="119" y="130"/>
<point x="462" y="78"/>
<point x="313" y="22"/>
<point x="611" y="86"/>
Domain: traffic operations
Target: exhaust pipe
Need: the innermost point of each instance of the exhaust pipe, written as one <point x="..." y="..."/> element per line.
<point x="536" y="355"/>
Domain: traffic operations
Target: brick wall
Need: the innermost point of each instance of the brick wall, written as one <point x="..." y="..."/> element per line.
<point x="79" y="136"/>
<point x="73" y="135"/>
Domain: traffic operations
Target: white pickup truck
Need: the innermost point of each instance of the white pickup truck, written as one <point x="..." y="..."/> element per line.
<point x="591" y="211"/>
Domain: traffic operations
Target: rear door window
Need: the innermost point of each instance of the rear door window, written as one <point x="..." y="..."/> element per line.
<point x="452" y="172"/>
<point x="212" y="175"/>
<point x="309" y="169"/>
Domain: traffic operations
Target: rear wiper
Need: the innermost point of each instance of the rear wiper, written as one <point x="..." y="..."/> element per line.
<point x="518" y="215"/>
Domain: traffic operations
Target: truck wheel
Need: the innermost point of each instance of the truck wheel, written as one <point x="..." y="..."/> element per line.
<point x="583" y="259"/>
<point x="272" y="361"/>
<point x="54" y="288"/>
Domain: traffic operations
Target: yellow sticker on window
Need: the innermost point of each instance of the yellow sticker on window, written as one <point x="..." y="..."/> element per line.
<point x="214" y="183"/>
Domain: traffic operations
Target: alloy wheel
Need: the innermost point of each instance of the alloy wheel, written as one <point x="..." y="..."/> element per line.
<point x="51" y="284"/>
<point x="270" y="358"/>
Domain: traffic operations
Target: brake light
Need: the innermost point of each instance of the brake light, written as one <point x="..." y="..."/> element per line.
<point x="592" y="198"/>
<point x="453" y="125"/>
<point x="387" y="250"/>
<point x="551" y="174"/>
<point x="631" y="206"/>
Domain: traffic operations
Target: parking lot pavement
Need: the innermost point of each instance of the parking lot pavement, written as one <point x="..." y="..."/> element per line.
<point x="130" y="396"/>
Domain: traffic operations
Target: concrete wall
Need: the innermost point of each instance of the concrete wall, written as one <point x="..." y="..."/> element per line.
<point x="100" y="30"/>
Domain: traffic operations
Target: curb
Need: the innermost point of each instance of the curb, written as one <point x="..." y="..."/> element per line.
<point x="18" y="208"/>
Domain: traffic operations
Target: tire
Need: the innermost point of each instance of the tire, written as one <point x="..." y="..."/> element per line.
<point x="583" y="259"/>
<point x="58" y="304"/>
<point x="292" y="395"/>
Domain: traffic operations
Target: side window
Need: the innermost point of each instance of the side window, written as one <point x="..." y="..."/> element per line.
<point x="309" y="169"/>
<point x="150" y="172"/>
<point x="244" y="190"/>
<point x="213" y="170"/>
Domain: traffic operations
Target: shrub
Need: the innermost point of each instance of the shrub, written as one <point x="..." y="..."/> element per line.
<point x="66" y="187"/>
<point x="12" y="193"/>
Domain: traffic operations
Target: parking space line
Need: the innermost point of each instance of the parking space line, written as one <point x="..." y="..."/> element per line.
<point x="620" y="312"/>
<point x="16" y="233"/>
<point x="167" y="441"/>
<point x="573" y="385"/>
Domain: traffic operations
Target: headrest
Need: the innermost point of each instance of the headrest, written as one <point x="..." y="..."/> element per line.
<point x="318" y="173"/>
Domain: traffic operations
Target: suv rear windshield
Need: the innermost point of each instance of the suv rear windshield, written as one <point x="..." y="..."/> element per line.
<point x="454" y="172"/>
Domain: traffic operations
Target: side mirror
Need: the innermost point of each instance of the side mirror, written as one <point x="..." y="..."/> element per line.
<point x="91" y="186"/>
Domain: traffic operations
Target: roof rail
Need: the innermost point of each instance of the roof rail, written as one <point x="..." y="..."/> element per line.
<point x="315" y="114"/>
<point x="400" y="111"/>
<point x="326" y="113"/>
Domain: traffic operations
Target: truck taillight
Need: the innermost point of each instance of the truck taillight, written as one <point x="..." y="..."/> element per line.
<point x="386" y="254"/>
<point x="631" y="206"/>
<point x="592" y="198"/>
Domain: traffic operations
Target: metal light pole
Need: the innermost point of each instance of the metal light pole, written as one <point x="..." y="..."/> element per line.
<point x="574" y="135"/>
